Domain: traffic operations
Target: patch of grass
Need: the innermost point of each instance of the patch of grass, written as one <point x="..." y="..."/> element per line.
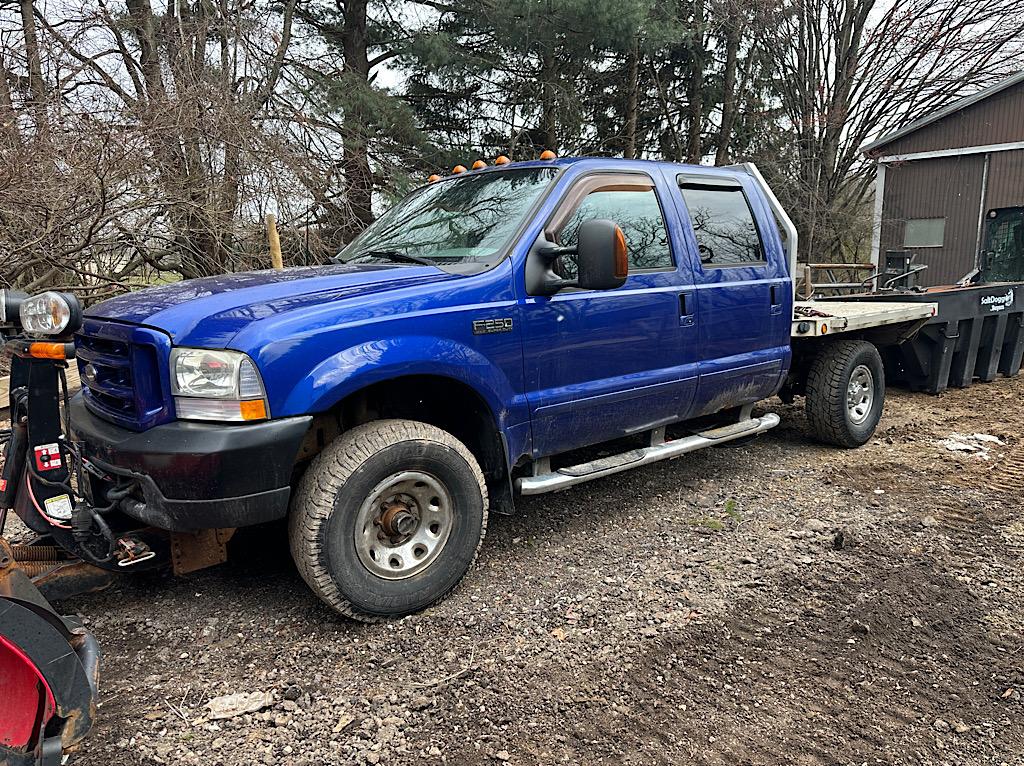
<point x="713" y="524"/>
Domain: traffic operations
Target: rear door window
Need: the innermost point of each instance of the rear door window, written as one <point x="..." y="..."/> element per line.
<point x="723" y="224"/>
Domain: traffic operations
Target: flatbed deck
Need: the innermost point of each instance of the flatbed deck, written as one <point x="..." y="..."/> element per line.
<point x="816" y="318"/>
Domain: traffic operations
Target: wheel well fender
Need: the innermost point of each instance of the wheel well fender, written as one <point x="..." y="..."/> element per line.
<point x="376" y="361"/>
<point x="432" y="380"/>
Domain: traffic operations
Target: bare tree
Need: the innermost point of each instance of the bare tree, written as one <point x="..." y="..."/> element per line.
<point x="848" y="70"/>
<point x="154" y="137"/>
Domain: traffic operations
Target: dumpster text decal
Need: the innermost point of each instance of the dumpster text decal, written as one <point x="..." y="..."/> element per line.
<point x="998" y="302"/>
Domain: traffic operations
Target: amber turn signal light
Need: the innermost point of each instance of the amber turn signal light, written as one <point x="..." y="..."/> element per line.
<point x="621" y="255"/>
<point x="254" y="409"/>
<point x="47" y="351"/>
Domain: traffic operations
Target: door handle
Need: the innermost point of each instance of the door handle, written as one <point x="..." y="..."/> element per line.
<point x="686" y="318"/>
<point x="776" y="306"/>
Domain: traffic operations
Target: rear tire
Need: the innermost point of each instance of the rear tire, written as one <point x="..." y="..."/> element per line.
<point x="388" y="519"/>
<point x="845" y="393"/>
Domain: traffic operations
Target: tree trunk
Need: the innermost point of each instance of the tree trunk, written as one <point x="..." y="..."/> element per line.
<point x="355" y="156"/>
<point x="732" y="46"/>
<point x="632" y="97"/>
<point x="149" y="54"/>
<point x="549" y="106"/>
<point x="8" y="116"/>
<point x="36" y="87"/>
<point x="695" y="87"/>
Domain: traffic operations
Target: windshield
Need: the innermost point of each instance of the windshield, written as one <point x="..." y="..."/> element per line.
<point x="463" y="220"/>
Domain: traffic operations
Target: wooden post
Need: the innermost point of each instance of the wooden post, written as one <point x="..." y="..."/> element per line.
<point x="275" y="242"/>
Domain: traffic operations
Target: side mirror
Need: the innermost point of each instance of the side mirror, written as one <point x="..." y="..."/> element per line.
<point x="601" y="256"/>
<point x="602" y="261"/>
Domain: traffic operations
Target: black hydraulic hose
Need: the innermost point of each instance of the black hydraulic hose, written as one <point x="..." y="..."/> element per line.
<point x="66" y="418"/>
<point x="83" y="519"/>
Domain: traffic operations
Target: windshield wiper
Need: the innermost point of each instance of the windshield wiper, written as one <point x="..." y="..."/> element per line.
<point x="394" y="255"/>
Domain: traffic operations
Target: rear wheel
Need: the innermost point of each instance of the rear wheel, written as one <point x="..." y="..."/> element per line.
<point x="388" y="519"/>
<point x="845" y="393"/>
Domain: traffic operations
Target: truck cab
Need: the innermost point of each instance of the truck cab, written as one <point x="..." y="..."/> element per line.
<point x="476" y="342"/>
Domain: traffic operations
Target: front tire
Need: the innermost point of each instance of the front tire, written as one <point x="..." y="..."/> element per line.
<point x="388" y="519"/>
<point x="845" y="393"/>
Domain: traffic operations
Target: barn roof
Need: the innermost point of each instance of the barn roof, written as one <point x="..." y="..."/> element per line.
<point x="945" y="111"/>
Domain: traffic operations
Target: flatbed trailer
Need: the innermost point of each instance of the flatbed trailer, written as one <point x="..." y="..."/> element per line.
<point x="816" y="319"/>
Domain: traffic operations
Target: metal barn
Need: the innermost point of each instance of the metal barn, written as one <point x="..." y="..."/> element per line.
<point x="950" y="186"/>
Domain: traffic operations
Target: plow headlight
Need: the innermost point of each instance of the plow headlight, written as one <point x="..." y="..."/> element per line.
<point x="50" y="313"/>
<point x="216" y="385"/>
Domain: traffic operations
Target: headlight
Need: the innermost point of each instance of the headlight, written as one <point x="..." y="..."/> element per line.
<point x="50" y="313"/>
<point x="216" y="385"/>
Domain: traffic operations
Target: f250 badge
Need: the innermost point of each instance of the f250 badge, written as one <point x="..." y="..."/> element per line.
<point x="488" y="326"/>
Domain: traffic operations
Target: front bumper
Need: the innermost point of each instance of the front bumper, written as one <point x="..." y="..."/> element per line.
<point x="197" y="475"/>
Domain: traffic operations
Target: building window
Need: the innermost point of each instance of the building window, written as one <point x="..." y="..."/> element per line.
<point x="924" y="232"/>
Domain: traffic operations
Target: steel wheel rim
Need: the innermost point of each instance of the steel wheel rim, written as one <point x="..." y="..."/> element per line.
<point x="860" y="394"/>
<point x="388" y="544"/>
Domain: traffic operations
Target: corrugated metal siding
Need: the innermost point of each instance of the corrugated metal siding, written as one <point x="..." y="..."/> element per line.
<point x="948" y="188"/>
<point x="1006" y="179"/>
<point x="996" y="120"/>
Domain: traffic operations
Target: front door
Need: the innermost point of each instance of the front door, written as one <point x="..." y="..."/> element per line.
<point x="604" y="364"/>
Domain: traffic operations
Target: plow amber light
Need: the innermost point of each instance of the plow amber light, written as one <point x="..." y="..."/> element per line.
<point x="255" y="409"/>
<point x="47" y="351"/>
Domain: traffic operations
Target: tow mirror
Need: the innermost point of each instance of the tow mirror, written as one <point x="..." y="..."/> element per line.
<point x="601" y="255"/>
<point x="602" y="261"/>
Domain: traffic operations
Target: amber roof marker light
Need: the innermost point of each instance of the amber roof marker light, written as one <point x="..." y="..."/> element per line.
<point x="479" y="165"/>
<point x="501" y="159"/>
<point x="434" y="178"/>
<point x="459" y="169"/>
<point x="547" y="154"/>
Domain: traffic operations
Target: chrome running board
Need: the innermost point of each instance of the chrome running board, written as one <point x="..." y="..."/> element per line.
<point x="546" y="480"/>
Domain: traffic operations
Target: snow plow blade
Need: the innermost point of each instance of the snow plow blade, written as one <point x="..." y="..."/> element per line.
<point x="48" y="673"/>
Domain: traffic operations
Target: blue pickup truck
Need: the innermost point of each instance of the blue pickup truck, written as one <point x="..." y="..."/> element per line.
<point x="510" y="330"/>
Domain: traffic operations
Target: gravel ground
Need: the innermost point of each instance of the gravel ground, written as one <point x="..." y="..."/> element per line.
<point x="778" y="602"/>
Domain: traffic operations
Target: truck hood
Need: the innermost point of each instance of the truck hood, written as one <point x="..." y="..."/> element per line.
<point x="211" y="311"/>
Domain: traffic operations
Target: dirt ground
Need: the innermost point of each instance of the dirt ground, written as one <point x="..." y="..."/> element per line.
<point x="775" y="603"/>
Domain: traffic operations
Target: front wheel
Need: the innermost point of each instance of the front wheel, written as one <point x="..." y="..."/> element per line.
<point x="845" y="393"/>
<point x="388" y="519"/>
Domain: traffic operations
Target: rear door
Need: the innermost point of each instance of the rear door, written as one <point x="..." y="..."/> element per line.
<point x="603" y="364"/>
<point x="743" y="295"/>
